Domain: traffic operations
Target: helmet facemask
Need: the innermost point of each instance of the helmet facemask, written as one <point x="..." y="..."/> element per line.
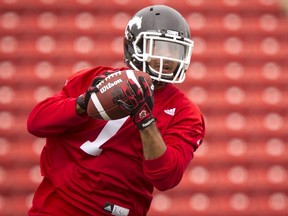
<point x="165" y="57"/>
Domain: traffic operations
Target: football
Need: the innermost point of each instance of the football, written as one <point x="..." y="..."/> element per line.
<point x="103" y="103"/>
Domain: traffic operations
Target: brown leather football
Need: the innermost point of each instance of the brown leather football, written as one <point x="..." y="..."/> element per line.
<point x="103" y="103"/>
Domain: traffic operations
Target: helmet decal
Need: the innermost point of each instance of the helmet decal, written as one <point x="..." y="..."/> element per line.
<point x="135" y="20"/>
<point x="172" y="33"/>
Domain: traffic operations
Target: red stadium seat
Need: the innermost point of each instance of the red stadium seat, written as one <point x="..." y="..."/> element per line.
<point x="15" y="205"/>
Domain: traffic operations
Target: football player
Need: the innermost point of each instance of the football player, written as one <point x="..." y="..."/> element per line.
<point x="96" y="167"/>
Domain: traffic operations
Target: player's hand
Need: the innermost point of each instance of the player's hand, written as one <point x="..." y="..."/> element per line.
<point x="83" y="99"/>
<point x="141" y="103"/>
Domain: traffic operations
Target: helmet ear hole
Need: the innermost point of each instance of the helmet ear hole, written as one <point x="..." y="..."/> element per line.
<point x="129" y="37"/>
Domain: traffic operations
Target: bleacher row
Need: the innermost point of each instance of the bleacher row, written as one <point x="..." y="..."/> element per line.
<point x="238" y="77"/>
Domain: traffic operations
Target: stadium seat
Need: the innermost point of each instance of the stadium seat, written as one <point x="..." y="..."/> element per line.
<point x="8" y="206"/>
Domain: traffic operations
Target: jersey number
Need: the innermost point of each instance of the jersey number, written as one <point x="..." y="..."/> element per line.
<point x="108" y="131"/>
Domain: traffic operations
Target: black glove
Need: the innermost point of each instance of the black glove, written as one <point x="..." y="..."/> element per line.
<point x="141" y="103"/>
<point x="84" y="98"/>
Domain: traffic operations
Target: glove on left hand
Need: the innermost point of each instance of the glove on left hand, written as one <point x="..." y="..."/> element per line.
<point x="142" y="102"/>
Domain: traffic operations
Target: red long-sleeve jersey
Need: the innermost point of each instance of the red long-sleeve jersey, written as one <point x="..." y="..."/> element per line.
<point x="94" y="167"/>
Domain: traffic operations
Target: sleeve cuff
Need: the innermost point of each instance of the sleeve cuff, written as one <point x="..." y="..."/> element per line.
<point x="158" y="163"/>
<point x="74" y="117"/>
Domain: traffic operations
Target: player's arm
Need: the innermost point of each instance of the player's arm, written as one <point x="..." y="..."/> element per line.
<point x="65" y="109"/>
<point x="53" y="116"/>
<point x="182" y="138"/>
<point x="152" y="142"/>
<point x="56" y="114"/>
<point x="164" y="163"/>
<point x="140" y="109"/>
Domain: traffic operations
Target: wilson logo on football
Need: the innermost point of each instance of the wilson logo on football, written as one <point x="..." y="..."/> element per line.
<point x="110" y="85"/>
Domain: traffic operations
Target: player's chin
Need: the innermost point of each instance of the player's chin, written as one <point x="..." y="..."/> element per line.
<point x="158" y="84"/>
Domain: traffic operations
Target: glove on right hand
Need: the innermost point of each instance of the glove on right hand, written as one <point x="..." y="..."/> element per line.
<point x="84" y="98"/>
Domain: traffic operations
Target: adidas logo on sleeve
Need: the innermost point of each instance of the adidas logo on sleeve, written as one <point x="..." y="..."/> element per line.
<point x="170" y="112"/>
